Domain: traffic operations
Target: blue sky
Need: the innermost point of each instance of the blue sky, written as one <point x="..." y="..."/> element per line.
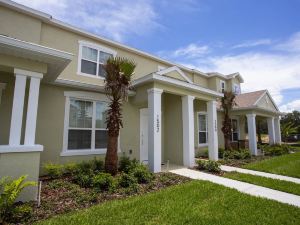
<point x="258" y="38"/>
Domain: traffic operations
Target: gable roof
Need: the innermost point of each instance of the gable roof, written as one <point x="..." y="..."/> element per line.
<point x="175" y="69"/>
<point x="227" y="77"/>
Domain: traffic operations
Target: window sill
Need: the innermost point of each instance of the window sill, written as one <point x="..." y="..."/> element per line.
<point x="91" y="76"/>
<point x="20" y="148"/>
<point x="83" y="152"/>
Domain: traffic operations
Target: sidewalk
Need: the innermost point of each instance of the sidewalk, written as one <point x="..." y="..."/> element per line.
<point x="258" y="173"/>
<point x="250" y="189"/>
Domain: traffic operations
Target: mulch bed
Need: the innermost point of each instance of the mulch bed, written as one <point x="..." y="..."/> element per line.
<point x="60" y="196"/>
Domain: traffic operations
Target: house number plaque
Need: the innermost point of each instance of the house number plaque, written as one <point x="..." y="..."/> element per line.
<point x="157" y="123"/>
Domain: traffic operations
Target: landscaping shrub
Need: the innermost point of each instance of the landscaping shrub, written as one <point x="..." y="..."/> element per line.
<point x="221" y="152"/>
<point x="103" y="182"/>
<point x="54" y="170"/>
<point x="275" y="150"/>
<point x="127" y="180"/>
<point x="142" y="174"/>
<point x="97" y="165"/>
<point x="126" y="164"/>
<point x="237" y="154"/>
<point x="211" y="166"/>
<point x="203" y="153"/>
<point x="84" y="179"/>
<point x="70" y="168"/>
<point x="9" y="192"/>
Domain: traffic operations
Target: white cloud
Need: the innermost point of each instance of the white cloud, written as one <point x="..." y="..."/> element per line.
<point x="111" y="18"/>
<point x="291" y="106"/>
<point x="291" y="45"/>
<point x="254" y="43"/>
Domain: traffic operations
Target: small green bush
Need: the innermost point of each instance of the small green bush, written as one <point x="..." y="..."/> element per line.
<point x="237" y="154"/>
<point x="70" y="168"/>
<point x="275" y="150"/>
<point x="22" y="213"/>
<point x="9" y="192"/>
<point x="127" y="180"/>
<point x="54" y="170"/>
<point x="84" y="179"/>
<point x="142" y="174"/>
<point x="221" y="152"/>
<point x="97" y="165"/>
<point x="126" y="164"/>
<point x="211" y="166"/>
<point x="103" y="182"/>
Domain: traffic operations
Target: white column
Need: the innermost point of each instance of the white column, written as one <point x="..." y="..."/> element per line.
<point x="154" y="129"/>
<point x="17" y="110"/>
<point x="212" y="130"/>
<point x="252" y="133"/>
<point x="32" y="110"/>
<point x="277" y="130"/>
<point x="188" y="130"/>
<point x="271" y="130"/>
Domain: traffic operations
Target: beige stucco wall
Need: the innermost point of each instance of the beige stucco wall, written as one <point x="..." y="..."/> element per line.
<point x="17" y="164"/>
<point x="17" y="25"/>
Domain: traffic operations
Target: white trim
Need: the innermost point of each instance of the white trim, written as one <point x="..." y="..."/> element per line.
<point x="234" y="85"/>
<point x="212" y="130"/>
<point x="159" y="68"/>
<point x="252" y="133"/>
<point x="271" y="130"/>
<point x="268" y="94"/>
<point x="205" y="114"/>
<point x="21" y="148"/>
<point x="85" y="95"/>
<point x="83" y="152"/>
<point x="164" y="79"/>
<point x="99" y="49"/>
<point x="172" y="69"/>
<point x="28" y="73"/>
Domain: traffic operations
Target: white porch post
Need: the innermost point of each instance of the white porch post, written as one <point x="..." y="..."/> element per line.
<point x="17" y="110"/>
<point x="212" y="130"/>
<point x="252" y="133"/>
<point x="271" y="130"/>
<point x="277" y="130"/>
<point x="188" y="130"/>
<point x="154" y="129"/>
<point x="32" y="110"/>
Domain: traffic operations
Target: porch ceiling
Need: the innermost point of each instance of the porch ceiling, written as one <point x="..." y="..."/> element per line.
<point x="55" y="60"/>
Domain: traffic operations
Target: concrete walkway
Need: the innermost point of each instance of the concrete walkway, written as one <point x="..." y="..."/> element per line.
<point x="258" y="173"/>
<point x="250" y="189"/>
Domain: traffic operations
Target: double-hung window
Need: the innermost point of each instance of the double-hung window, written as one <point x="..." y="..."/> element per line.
<point x="222" y="86"/>
<point x="85" y="126"/>
<point x="92" y="59"/>
<point x="234" y="129"/>
<point x="236" y="89"/>
<point x="202" y="128"/>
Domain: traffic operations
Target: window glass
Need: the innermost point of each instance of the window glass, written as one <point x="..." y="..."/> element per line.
<point x="101" y="113"/>
<point x="104" y="57"/>
<point x="81" y="113"/>
<point x="101" y="71"/>
<point x="234" y="127"/>
<point x="79" y="139"/>
<point x="202" y="129"/>
<point x="101" y="139"/>
<point x="89" y="53"/>
<point x="88" y="67"/>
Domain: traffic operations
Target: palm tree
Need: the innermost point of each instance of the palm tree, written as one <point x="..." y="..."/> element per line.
<point x="227" y="104"/>
<point x="287" y="129"/>
<point x="117" y="84"/>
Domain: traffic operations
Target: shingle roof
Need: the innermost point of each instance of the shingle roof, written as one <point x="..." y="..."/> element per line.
<point x="248" y="99"/>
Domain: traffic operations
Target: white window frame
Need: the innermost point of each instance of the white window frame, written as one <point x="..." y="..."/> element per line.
<point x="238" y="87"/>
<point x="221" y="88"/>
<point x="98" y="48"/>
<point x="205" y="114"/>
<point x="84" y="96"/>
<point x="238" y="129"/>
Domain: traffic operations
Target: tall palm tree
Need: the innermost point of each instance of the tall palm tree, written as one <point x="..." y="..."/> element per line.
<point x="287" y="129"/>
<point x="117" y="84"/>
<point x="227" y="104"/>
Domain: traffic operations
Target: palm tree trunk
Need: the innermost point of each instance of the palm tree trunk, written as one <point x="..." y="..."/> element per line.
<point x="111" y="158"/>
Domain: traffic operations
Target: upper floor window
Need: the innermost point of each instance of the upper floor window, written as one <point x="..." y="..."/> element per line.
<point x="222" y="86"/>
<point x="236" y="89"/>
<point x="92" y="59"/>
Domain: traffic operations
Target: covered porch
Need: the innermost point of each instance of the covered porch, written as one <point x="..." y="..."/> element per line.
<point x="167" y="119"/>
<point x="23" y="66"/>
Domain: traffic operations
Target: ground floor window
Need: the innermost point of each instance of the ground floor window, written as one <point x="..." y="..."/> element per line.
<point x="202" y="128"/>
<point x="86" y="125"/>
<point x="234" y="129"/>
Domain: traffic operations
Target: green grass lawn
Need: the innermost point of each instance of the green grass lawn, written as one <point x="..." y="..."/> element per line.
<point x="196" y="202"/>
<point x="288" y="165"/>
<point x="279" y="185"/>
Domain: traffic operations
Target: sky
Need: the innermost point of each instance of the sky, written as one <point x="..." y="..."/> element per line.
<point x="260" y="39"/>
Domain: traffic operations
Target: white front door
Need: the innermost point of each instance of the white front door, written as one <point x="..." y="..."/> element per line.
<point x="144" y="136"/>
